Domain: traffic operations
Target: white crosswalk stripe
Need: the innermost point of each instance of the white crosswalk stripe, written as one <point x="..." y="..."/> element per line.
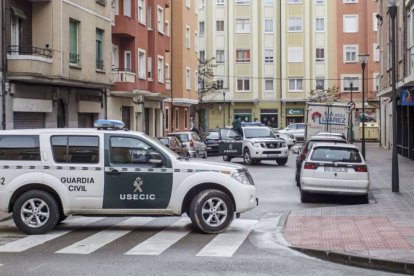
<point x="163" y="240"/>
<point x="227" y="243"/>
<point x="102" y="238"/>
<point x="35" y="240"/>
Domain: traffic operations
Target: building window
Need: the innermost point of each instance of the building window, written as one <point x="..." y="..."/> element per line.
<point x="127" y="8"/>
<point x="160" y="19"/>
<point x="243" y="55"/>
<point x="220" y="2"/>
<point x="320" y="24"/>
<point x="320" y="83"/>
<point x="201" y="55"/>
<point x="99" y="49"/>
<point x="374" y="22"/>
<point x="350" y="23"/>
<point x="295" y="54"/>
<point x="243" y="84"/>
<point x="188" y="79"/>
<point x="201" y="28"/>
<point x="187" y="37"/>
<point x="127" y="61"/>
<point x="319" y="2"/>
<point x="350" y="1"/>
<point x="268" y="84"/>
<point x="142" y="64"/>
<point x="268" y="55"/>
<point x="141" y="11"/>
<point x="73" y="42"/>
<point x="160" y="69"/>
<point x="219" y="56"/>
<point x="167" y="28"/>
<point x="16" y="33"/>
<point x="149" y="18"/>
<point x="185" y="118"/>
<point x="320" y="54"/>
<point x="294" y="1"/>
<point x="242" y="2"/>
<point x="350" y="53"/>
<point x="196" y="41"/>
<point x="220" y="26"/>
<point x="220" y="83"/>
<point x="268" y="2"/>
<point x="187" y="3"/>
<point x="295" y="24"/>
<point x="346" y="83"/>
<point x="177" y="118"/>
<point x="295" y="85"/>
<point x="243" y="25"/>
<point x="376" y="52"/>
<point x="268" y="25"/>
<point x="196" y="80"/>
<point x="167" y="119"/>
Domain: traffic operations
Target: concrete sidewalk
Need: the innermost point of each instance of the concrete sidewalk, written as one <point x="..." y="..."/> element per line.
<point x="377" y="235"/>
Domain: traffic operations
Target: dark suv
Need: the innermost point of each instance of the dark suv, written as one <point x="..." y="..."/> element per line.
<point x="307" y="145"/>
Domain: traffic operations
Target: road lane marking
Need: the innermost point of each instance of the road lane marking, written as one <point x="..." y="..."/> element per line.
<point x="227" y="243"/>
<point x="102" y="238"/>
<point x="163" y="240"/>
<point x="35" y="240"/>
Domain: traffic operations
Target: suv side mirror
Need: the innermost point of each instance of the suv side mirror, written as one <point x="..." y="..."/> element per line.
<point x="237" y="137"/>
<point x="155" y="158"/>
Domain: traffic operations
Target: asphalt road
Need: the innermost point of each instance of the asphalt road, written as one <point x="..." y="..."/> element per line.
<point x="181" y="250"/>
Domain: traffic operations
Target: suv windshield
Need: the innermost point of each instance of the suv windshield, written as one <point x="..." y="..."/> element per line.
<point x="334" y="154"/>
<point x="258" y="133"/>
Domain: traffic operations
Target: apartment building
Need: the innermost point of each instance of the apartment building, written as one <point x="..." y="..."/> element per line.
<point x="141" y="41"/>
<point x="3" y="57"/>
<point x="269" y="55"/>
<point x="357" y="33"/>
<point x="183" y="70"/>
<point x="404" y="74"/>
<point x="54" y="77"/>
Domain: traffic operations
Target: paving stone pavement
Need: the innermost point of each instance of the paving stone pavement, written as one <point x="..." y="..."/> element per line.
<point x="381" y="230"/>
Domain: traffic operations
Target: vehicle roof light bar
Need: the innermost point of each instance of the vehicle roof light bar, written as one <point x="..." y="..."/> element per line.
<point x="109" y="124"/>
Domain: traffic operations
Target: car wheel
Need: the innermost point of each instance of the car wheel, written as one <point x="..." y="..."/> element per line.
<point x="304" y="196"/>
<point x="297" y="178"/>
<point x="205" y="155"/>
<point x="247" y="158"/>
<point x="226" y="158"/>
<point x="187" y="155"/>
<point x="281" y="161"/>
<point x="211" y="211"/>
<point x="36" y="212"/>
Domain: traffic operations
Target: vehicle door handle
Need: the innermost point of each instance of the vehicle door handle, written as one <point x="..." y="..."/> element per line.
<point x="113" y="172"/>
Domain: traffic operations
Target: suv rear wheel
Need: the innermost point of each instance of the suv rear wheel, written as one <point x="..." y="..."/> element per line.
<point x="211" y="211"/>
<point x="226" y="158"/>
<point x="36" y="212"/>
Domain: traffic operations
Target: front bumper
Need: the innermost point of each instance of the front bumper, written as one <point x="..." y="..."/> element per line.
<point x="246" y="199"/>
<point x="269" y="154"/>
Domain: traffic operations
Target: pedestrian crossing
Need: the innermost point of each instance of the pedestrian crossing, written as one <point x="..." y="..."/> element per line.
<point x="221" y="245"/>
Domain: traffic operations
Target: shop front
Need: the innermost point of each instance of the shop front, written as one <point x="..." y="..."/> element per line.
<point x="295" y="115"/>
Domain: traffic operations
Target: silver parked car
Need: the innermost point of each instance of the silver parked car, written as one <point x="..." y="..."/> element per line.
<point x="297" y="130"/>
<point x="334" y="169"/>
<point x="192" y="141"/>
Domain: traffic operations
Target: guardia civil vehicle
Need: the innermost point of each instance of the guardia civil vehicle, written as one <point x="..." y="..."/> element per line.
<point x="49" y="174"/>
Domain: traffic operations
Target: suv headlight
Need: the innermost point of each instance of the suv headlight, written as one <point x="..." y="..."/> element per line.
<point x="242" y="178"/>
<point x="257" y="145"/>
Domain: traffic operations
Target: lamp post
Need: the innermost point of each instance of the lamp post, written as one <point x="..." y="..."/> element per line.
<point x="351" y="131"/>
<point x="224" y="109"/>
<point x="363" y="59"/>
<point x="392" y="10"/>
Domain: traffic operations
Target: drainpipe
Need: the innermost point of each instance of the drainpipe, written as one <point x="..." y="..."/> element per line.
<point x="280" y="64"/>
<point x="4" y="63"/>
<point x="171" y="67"/>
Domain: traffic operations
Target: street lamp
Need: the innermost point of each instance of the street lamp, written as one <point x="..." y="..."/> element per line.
<point x="392" y="10"/>
<point x="224" y="109"/>
<point x="351" y="132"/>
<point x="363" y="59"/>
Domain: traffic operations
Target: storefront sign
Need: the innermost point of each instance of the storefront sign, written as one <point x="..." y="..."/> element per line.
<point x="295" y="112"/>
<point x="407" y="97"/>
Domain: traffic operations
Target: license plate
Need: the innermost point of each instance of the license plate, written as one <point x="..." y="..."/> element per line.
<point x="336" y="169"/>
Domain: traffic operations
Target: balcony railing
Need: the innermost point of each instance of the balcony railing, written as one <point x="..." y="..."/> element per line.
<point x="99" y="64"/>
<point x="123" y="75"/>
<point x="74" y="58"/>
<point x="30" y="51"/>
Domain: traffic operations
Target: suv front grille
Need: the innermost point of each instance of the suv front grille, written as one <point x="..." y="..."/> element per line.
<point x="273" y="145"/>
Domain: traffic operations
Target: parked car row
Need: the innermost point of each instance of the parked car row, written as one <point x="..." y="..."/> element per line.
<point x="192" y="143"/>
<point x="327" y="164"/>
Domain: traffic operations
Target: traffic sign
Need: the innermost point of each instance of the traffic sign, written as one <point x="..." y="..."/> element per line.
<point x="351" y="105"/>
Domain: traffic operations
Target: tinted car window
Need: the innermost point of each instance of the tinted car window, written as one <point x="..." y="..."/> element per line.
<point x="164" y="141"/>
<point x="313" y="142"/>
<point x="19" y="148"/>
<point x="300" y="126"/>
<point x="182" y="137"/>
<point x="228" y="134"/>
<point x="126" y="150"/>
<point x="331" y="154"/>
<point x="75" y="149"/>
<point x="195" y="137"/>
<point x="258" y="133"/>
<point x="213" y="135"/>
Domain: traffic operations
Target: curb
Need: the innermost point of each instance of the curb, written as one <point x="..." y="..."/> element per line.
<point x="360" y="261"/>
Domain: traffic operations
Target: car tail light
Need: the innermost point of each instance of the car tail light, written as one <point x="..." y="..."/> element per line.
<point x="361" y="168"/>
<point x="302" y="157"/>
<point x="311" y="166"/>
<point x="191" y="143"/>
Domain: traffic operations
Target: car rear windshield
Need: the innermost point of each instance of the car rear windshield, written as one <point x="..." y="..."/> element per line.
<point x="313" y="142"/>
<point x="212" y="135"/>
<point x="336" y="154"/>
<point x="182" y="137"/>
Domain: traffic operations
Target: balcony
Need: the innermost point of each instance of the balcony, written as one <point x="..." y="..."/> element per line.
<point x="124" y="26"/>
<point x="123" y="75"/>
<point x="30" y="61"/>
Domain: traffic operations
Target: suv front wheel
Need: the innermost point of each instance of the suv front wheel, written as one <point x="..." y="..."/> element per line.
<point x="211" y="211"/>
<point x="281" y="161"/>
<point x="247" y="158"/>
<point x="36" y="212"/>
